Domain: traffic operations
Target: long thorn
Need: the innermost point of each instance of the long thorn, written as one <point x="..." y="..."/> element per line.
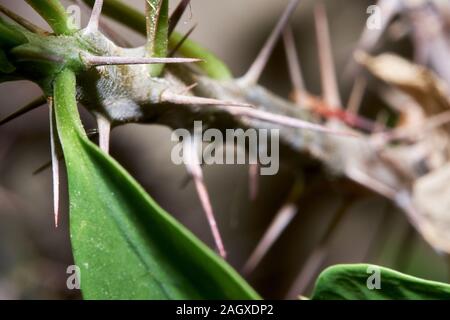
<point x="55" y="162"/>
<point x="95" y="61"/>
<point x="366" y="180"/>
<point x="167" y="96"/>
<point x="30" y="106"/>
<point x="92" y="133"/>
<point x="327" y="69"/>
<point x="22" y="21"/>
<point x="176" y="15"/>
<point x="254" y="73"/>
<point x="431" y="123"/>
<point x="357" y="94"/>
<point x="104" y="130"/>
<point x="112" y="34"/>
<point x="284" y="120"/>
<point x="276" y="228"/>
<point x="95" y="17"/>
<point x="295" y="71"/>
<point x="182" y="40"/>
<point x="282" y="219"/>
<point x="193" y="166"/>
<point x="320" y="252"/>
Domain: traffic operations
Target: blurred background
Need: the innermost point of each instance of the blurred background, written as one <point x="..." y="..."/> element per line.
<point x="332" y="224"/>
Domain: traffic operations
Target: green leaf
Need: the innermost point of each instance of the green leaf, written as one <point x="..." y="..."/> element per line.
<point x="54" y="13"/>
<point x="211" y="65"/>
<point x="349" y="282"/>
<point x="126" y="246"/>
<point x="157" y="25"/>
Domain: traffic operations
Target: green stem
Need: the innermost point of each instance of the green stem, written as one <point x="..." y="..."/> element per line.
<point x="10" y="36"/>
<point x="157" y="26"/>
<point x="53" y="12"/>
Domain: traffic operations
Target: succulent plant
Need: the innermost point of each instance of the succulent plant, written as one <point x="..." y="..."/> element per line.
<point x="120" y="237"/>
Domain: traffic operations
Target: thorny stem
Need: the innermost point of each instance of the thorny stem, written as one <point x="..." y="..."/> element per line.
<point x="330" y="152"/>
<point x="135" y="20"/>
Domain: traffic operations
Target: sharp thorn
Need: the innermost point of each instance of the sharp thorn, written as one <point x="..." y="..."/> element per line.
<point x="254" y="73"/>
<point x="95" y="17"/>
<point x="104" y="130"/>
<point x="295" y="71"/>
<point x="193" y="166"/>
<point x="95" y="61"/>
<point x="177" y="14"/>
<point x="285" y="121"/>
<point x="308" y="271"/>
<point x="43" y="167"/>
<point x="167" y="96"/>
<point x="55" y="162"/>
<point x="30" y="106"/>
<point x="315" y="260"/>
<point x="112" y="34"/>
<point x="180" y="43"/>
<point x="371" y="183"/>
<point x="91" y="133"/>
<point x="327" y="69"/>
<point x="276" y="228"/>
<point x="187" y="89"/>
<point x="357" y="94"/>
<point x="190" y="87"/>
<point x="433" y="122"/>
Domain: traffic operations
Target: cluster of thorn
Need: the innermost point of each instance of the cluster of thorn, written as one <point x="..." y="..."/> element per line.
<point x="327" y="107"/>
